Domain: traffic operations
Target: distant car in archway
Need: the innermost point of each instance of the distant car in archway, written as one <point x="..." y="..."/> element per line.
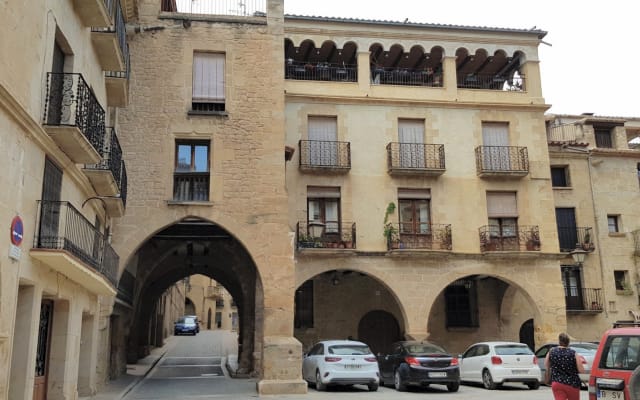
<point x="197" y="322"/>
<point x="185" y="325"/>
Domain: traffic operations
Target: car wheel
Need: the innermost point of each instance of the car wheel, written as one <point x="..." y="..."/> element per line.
<point x="487" y="380"/>
<point x="398" y="383"/>
<point x="373" y="387"/>
<point x="319" y="385"/>
<point x="453" y="386"/>
<point x="534" y="385"/>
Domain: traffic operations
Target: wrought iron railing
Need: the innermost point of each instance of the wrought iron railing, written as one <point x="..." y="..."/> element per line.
<point x="244" y="8"/>
<point x="509" y="238"/>
<point x="60" y="226"/>
<point x="425" y="236"/>
<point x="564" y="133"/>
<point x="123" y="184"/>
<point x="491" y="82"/>
<point x="502" y="159"/>
<point x="415" y="156"/>
<point x="572" y="238"/>
<point x="325" y="154"/>
<point x="321" y="71"/>
<point x="110" y="262"/>
<point x="118" y="27"/>
<point x="405" y="77"/>
<point x="126" y="287"/>
<point x="111" y="157"/>
<point x="326" y="235"/>
<point x="69" y="101"/>
<point x="214" y="291"/>
<point x="127" y="62"/>
<point x="191" y="186"/>
<point x="583" y="299"/>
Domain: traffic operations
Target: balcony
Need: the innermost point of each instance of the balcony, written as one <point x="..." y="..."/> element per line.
<point x="110" y="42"/>
<point x="126" y="287"/>
<point x="68" y="243"/>
<point x="502" y="161"/>
<point x="566" y="133"/>
<point x="117" y="83"/>
<point x="220" y="303"/>
<point x="583" y="300"/>
<point x="572" y="238"/>
<point x="245" y="8"/>
<point x="116" y="205"/>
<point x="106" y="176"/>
<point x="93" y="12"/>
<point x="214" y="292"/>
<point x="325" y="156"/>
<point x="511" y="238"/>
<point x="415" y="159"/>
<point x="73" y="117"/>
<point x="492" y="82"/>
<point x="423" y="236"/>
<point x="190" y="186"/>
<point x="327" y="235"/>
<point x="320" y="71"/>
<point x="405" y="77"/>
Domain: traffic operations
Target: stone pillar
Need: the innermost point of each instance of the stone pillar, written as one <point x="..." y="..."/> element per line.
<point x="532" y="83"/>
<point x="65" y="347"/>
<point x="25" y="343"/>
<point x="364" y="71"/>
<point x="450" y="75"/>
<point x="88" y="356"/>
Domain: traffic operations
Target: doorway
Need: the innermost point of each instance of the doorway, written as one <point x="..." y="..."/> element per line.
<point x="526" y="334"/>
<point x="42" y="354"/>
<point x="379" y="329"/>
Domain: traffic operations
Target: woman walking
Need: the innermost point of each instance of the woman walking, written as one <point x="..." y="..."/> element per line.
<point x="565" y="365"/>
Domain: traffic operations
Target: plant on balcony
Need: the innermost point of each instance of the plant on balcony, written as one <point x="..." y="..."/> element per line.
<point x="586" y="244"/>
<point x="626" y="289"/>
<point x="390" y="232"/>
<point x="533" y="243"/>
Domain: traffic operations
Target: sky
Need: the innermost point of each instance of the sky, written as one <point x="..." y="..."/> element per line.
<point x="591" y="66"/>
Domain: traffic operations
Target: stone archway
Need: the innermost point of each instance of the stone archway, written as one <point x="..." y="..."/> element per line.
<point x="526" y="334"/>
<point x="379" y="329"/>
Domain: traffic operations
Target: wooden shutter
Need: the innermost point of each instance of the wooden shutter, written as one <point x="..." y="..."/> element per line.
<point x="208" y="77"/>
<point x="323" y="128"/>
<point x="495" y="134"/>
<point x="501" y="204"/>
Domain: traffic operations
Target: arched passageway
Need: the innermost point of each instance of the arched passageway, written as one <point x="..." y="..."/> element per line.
<point x="379" y="329"/>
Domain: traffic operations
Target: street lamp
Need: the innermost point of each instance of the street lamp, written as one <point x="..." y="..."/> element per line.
<point x="578" y="256"/>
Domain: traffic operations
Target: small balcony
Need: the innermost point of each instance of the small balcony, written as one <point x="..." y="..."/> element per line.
<point x="565" y="133"/>
<point x="320" y="71"/>
<point x="117" y="83"/>
<point x="415" y="159"/>
<point x="73" y="117"/>
<point x="110" y="42"/>
<point x="219" y="303"/>
<point x="502" y="161"/>
<point x="520" y="238"/>
<point x="93" y="12"/>
<point x="326" y="235"/>
<point x="106" y="176"/>
<point x="583" y="300"/>
<point x="116" y="204"/>
<point x="214" y="292"/>
<point x="245" y="8"/>
<point x="69" y="244"/>
<point x="405" y="77"/>
<point x="325" y="156"/>
<point x="572" y="238"/>
<point x="492" y="82"/>
<point x="418" y="236"/>
<point x="191" y="186"/>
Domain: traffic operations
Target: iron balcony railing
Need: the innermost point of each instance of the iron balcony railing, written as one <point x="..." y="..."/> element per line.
<point x="69" y="101"/>
<point x="123" y="184"/>
<point x="111" y="157"/>
<point x="502" y="160"/>
<point x="127" y="62"/>
<point x="59" y="226"/>
<point x="405" y="77"/>
<point x="509" y="238"/>
<point x="322" y="71"/>
<point x="126" y="287"/>
<point x="244" y="8"/>
<point x="191" y="186"/>
<point x="326" y="235"/>
<point x="109" y="266"/>
<point x="583" y="299"/>
<point x="491" y="82"/>
<point x="415" y="157"/>
<point x="324" y="154"/>
<point x="564" y="133"/>
<point x="118" y="27"/>
<point x="572" y="238"/>
<point x="214" y="291"/>
<point x="416" y="235"/>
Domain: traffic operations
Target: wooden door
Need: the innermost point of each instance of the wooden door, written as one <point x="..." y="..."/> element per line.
<point x="42" y="354"/>
<point x="567" y="231"/>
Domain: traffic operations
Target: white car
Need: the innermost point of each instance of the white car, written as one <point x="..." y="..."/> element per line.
<point x="495" y="363"/>
<point x="341" y="362"/>
<point x="585" y="350"/>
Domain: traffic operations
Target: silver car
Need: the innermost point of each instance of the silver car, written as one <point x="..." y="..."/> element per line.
<point x="585" y="349"/>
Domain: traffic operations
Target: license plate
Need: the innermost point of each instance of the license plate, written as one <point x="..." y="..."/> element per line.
<point x="519" y="371"/>
<point x="610" y="395"/>
<point x="352" y="366"/>
<point x="437" y="374"/>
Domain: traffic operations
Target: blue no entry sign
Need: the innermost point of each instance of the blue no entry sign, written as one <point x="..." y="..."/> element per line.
<point x="17" y="230"/>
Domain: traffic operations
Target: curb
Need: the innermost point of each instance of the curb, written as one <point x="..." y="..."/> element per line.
<point x="140" y="378"/>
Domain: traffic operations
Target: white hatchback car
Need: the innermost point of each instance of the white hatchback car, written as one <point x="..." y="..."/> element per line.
<point x="494" y="363"/>
<point x="341" y="362"/>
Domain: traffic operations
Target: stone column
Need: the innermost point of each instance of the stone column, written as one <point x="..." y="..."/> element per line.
<point x="88" y="356"/>
<point x="65" y="347"/>
<point x="532" y="84"/>
<point x="364" y="71"/>
<point x="450" y="75"/>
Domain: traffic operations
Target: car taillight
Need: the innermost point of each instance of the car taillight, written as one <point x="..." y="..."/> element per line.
<point x="535" y="360"/>
<point x="454" y="361"/>
<point x="332" y="359"/>
<point x="495" y="360"/>
<point x="582" y="359"/>
<point x="412" y="361"/>
<point x="371" y="359"/>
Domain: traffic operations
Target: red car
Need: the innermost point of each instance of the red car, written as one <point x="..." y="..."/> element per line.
<point x="617" y="357"/>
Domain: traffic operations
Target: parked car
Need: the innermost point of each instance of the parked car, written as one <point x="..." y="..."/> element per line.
<point x="494" y="363"/>
<point x="341" y="362"/>
<point x="412" y="363"/>
<point x="197" y="322"/>
<point x="585" y="350"/>
<point x="185" y="324"/>
<point x="617" y="357"/>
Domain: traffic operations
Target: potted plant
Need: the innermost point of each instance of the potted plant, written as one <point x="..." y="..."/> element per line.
<point x="390" y="232"/>
<point x="586" y="244"/>
<point x="533" y="243"/>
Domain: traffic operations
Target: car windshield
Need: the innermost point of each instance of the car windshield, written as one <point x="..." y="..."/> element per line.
<point x="621" y="352"/>
<point x="512" y="350"/>
<point x="185" y="320"/>
<point x="425" y="348"/>
<point x="349" y="349"/>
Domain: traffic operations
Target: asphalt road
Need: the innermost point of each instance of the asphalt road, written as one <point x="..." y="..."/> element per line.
<point x="192" y="369"/>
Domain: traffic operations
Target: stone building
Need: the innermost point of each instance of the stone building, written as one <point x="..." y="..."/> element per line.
<point x="338" y="178"/>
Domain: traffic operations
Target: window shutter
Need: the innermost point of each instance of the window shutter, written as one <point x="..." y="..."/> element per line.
<point x="320" y="192"/>
<point x="414" y="194"/>
<point x="323" y="128"/>
<point x="501" y="204"/>
<point x="410" y="131"/>
<point x="208" y="77"/>
<point x="495" y="134"/>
